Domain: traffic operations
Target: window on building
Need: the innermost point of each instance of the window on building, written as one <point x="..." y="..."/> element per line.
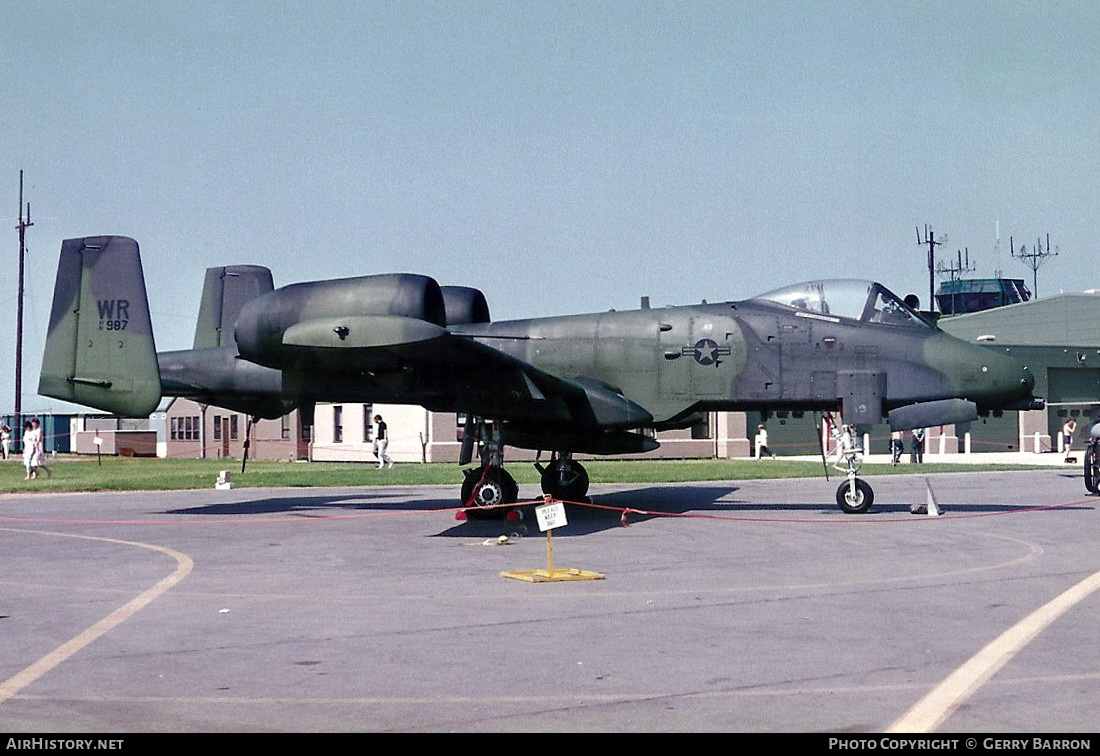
<point x="285" y="429"/>
<point x="234" y="422"/>
<point x="701" y="429"/>
<point x="368" y="420"/>
<point x="307" y="432"/>
<point x="175" y="429"/>
<point x="337" y="424"/>
<point x="217" y="427"/>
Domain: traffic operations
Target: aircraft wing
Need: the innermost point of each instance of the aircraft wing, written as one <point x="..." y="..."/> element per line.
<point x="452" y="372"/>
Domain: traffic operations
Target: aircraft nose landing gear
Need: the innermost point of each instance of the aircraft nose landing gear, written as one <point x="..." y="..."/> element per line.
<point x="854" y="496"/>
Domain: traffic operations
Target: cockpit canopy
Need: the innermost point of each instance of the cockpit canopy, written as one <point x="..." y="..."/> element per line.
<point x="846" y="298"/>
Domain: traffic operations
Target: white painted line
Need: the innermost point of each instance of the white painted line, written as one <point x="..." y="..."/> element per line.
<point x="184" y="565"/>
<point x="933" y="710"/>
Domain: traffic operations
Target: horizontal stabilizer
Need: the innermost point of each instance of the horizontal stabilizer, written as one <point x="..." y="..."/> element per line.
<point x="99" y="348"/>
<point x="928" y="414"/>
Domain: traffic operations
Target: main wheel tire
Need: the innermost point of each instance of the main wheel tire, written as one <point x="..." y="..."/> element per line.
<point x="855" y="499"/>
<point x="489" y="488"/>
<point x="565" y="479"/>
<point x="1092" y="469"/>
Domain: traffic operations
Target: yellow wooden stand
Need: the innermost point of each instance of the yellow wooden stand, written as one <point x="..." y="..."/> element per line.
<point x="550" y="574"/>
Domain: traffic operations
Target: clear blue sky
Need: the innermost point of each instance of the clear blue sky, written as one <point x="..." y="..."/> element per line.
<point x="561" y="156"/>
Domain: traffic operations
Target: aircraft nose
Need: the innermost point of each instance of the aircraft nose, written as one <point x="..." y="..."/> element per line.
<point x="1003" y="380"/>
<point x="1028" y="380"/>
<point x="981" y="374"/>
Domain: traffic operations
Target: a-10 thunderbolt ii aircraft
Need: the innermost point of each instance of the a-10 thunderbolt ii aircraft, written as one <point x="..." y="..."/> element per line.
<point x="600" y="383"/>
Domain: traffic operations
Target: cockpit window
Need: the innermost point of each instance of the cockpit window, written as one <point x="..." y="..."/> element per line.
<point x="887" y="308"/>
<point x="842" y="298"/>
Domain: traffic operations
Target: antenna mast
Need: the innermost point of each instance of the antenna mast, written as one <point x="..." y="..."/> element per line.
<point x="997" y="250"/>
<point x="23" y="225"/>
<point x="1033" y="259"/>
<point x="954" y="272"/>
<point x="930" y="240"/>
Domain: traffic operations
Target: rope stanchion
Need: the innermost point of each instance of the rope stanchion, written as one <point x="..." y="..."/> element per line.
<point x="848" y="519"/>
<point x="550" y="515"/>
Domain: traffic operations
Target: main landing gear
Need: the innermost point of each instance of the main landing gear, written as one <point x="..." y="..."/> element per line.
<point x="564" y="478"/>
<point x="1092" y="467"/>
<point x="490" y="488"/>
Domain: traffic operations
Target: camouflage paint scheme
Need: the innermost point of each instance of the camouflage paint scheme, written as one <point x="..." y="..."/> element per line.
<point x="596" y="383"/>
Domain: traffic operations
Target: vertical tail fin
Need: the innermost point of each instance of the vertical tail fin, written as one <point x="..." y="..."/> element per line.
<point x="224" y="292"/>
<point x="99" y="348"/>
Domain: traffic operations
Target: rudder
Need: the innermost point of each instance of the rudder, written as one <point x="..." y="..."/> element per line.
<point x="99" y="349"/>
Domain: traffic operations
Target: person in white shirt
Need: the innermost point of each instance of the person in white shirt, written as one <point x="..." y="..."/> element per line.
<point x="762" y="442"/>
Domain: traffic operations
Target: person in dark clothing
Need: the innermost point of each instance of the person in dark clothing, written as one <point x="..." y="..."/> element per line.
<point x="381" y="441"/>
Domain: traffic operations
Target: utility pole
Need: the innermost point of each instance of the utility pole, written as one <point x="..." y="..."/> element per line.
<point x="24" y="224"/>
<point x="930" y="240"/>
<point x="1033" y="259"/>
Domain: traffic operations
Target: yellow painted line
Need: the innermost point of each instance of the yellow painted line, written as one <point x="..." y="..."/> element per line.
<point x="184" y="565"/>
<point x="933" y="710"/>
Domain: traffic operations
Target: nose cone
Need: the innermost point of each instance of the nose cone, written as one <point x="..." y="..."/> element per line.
<point x="984" y="376"/>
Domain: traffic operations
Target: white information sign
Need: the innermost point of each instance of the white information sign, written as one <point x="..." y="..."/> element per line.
<point x="97" y="441"/>
<point x="550" y="516"/>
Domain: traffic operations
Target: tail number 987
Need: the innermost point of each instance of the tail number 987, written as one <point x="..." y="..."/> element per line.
<point x="114" y="314"/>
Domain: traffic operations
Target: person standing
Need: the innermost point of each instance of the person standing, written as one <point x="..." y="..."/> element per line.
<point x="762" y="442"/>
<point x="40" y="448"/>
<point x="1067" y="435"/>
<point x="28" y="450"/>
<point x="897" y="446"/>
<point x="5" y="439"/>
<point x="381" y="441"/>
<point x="916" y="446"/>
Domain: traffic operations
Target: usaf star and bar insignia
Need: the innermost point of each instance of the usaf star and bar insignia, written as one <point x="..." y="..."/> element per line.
<point x="705" y="352"/>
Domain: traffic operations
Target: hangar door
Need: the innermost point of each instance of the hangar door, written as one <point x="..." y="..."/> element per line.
<point x="1078" y="385"/>
<point x="1072" y="392"/>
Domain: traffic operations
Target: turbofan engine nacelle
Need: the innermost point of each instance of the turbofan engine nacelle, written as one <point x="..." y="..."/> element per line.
<point x="465" y="305"/>
<point x="264" y="321"/>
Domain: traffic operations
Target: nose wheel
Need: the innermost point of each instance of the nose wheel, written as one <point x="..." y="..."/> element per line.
<point x="854" y="496"/>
